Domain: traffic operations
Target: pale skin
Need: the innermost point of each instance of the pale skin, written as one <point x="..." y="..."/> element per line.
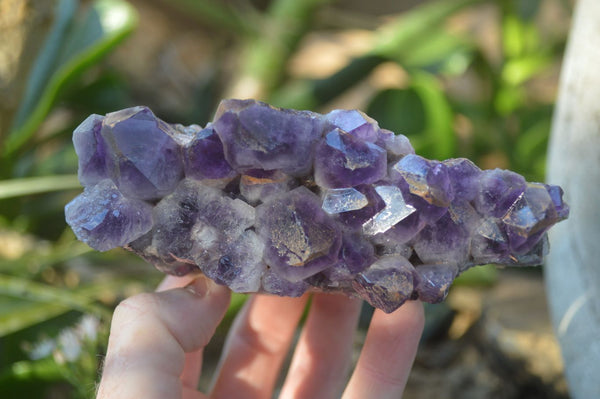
<point x="156" y="345"/>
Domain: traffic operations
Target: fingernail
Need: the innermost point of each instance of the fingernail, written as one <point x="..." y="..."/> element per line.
<point x="199" y="286"/>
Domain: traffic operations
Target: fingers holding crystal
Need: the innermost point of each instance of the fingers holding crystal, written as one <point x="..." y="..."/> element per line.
<point x="388" y="353"/>
<point x="150" y="335"/>
<point x="323" y="354"/>
<point x="256" y="346"/>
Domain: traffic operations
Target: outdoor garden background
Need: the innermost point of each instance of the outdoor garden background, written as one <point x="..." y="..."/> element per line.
<point x="460" y="78"/>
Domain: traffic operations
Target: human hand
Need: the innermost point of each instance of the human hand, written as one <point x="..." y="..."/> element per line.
<point x="156" y="342"/>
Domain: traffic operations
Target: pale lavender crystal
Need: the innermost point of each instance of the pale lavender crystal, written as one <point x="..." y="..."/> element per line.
<point x="463" y="176"/>
<point x="529" y="217"/>
<point x="556" y="193"/>
<point x="396" y="145"/>
<point x="489" y="243"/>
<point x="274" y="283"/>
<point x="445" y="241"/>
<point x="279" y="201"/>
<point x="356" y="254"/>
<point x="427" y="179"/>
<point x="104" y="219"/>
<point x="395" y="210"/>
<point x="257" y="185"/>
<point x="338" y="200"/>
<point x="355" y="219"/>
<point x="356" y="123"/>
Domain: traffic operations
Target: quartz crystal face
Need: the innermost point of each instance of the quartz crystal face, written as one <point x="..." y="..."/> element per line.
<point x="279" y="201"/>
<point x="143" y="157"/>
<point x="91" y="150"/>
<point x="343" y="160"/>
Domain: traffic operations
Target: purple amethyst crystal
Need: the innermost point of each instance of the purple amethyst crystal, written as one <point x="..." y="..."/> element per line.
<point x="104" y="219"/>
<point x="387" y="283"/>
<point x="204" y="157"/>
<point x="90" y="149"/>
<point x="355" y="123"/>
<point x="300" y="238"/>
<point x="258" y="136"/>
<point x="343" y="160"/>
<point x="143" y="157"/>
<point x="279" y="201"/>
<point x="429" y="180"/>
<point x="497" y="192"/>
<point x="433" y="281"/>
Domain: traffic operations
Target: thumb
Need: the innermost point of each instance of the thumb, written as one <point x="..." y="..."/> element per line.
<point x="150" y="334"/>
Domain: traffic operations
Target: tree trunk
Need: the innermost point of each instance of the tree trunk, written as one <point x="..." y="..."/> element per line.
<point x="573" y="266"/>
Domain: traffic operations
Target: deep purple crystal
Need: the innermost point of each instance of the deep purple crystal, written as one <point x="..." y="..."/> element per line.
<point x="344" y="160"/>
<point x="283" y="202"/>
<point x="258" y="136"/>
<point x="143" y="157"/>
<point x="204" y="157"/>
<point x="91" y="150"/>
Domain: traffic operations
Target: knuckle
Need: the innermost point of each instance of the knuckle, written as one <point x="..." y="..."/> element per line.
<point x="135" y="307"/>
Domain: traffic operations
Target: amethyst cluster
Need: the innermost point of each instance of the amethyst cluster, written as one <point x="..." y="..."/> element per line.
<point x="281" y="201"/>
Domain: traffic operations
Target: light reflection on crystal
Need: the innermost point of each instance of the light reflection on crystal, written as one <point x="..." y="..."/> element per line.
<point x="395" y="210"/>
<point x="338" y="200"/>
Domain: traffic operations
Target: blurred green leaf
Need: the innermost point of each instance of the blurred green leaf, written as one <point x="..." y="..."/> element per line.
<point x="46" y="61"/>
<point x="508" y="98"/>
<point x="24" y="303"/>
<point x="519" y="37"/>
<point x="35" y="185"/>
<point x="29" y="379"/>
<point x="41" y="257"/>
<point x="106" y="24"/>
<point x="435" y="48"/>
<point x="440" y="117"/>
<point x="478" y="276"/>
<point x="396" y="40"/>
<point x="399" y="110"/>
<point x="408" y="31"/>
<point x="421" y="112"/>
<point x="519" y="70"/>
<point x="216" y="14"/>
<point x="513" y="36"/>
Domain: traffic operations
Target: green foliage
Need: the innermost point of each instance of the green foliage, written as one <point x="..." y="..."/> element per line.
<point x="456" y="99"/>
